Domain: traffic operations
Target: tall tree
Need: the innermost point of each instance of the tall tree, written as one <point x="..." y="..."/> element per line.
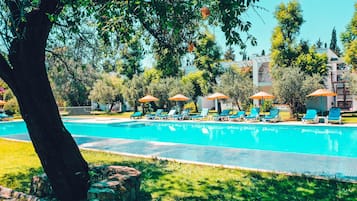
<point x="236" y="84"/>
<point x="131" y="55"/>
<point x="349" y="40"/>
<point x="309" y="61"/>
<point x="71" y="79"/>
<point x="25" y="26"/>
<point x="207" y="56"/>
<point x="135" y="89"/>
<point x="107" y="90"/>
<point x="284" y="36"/>
<point x="24" y="70"/>
<point x="286" y="52"/>
<point x="319" y="43"/>
<point x="201" y="86"/>
<point x="293" y="86"/>
<point x="167" y="87"/>
<point x="333" y="43"/>
<point x="229" y="55"/>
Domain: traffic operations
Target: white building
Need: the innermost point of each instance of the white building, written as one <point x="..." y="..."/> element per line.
<point x="334" y="81"/>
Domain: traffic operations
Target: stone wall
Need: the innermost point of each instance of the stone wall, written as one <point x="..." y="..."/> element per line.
<point x="108" y="183"/>
<point x="9" y="194"/>
<point x="114" y="183"/>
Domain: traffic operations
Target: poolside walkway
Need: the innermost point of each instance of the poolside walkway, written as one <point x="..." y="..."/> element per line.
<point x="327" y="166"/>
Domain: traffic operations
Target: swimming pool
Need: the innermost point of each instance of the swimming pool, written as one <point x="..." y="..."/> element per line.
<point x="303" y="139"/>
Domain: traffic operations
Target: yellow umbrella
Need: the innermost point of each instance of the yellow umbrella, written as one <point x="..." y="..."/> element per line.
<point x="322" y="92"/>
<point x="148" y="98"/>
<point x="217" y="96"/>
<point x="179" y="97"/>
<point x="262" y="95"/>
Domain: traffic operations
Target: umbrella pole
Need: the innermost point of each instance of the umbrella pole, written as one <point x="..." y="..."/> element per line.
<point x="217" y="106"/>
<point x="321" y="105"/>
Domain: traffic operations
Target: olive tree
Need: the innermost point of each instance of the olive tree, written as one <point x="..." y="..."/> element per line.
<point x="237" y="85"/>
<point x="293" y="87"/>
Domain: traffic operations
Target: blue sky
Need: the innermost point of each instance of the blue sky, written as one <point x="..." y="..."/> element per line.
<point x="320" y="17"/>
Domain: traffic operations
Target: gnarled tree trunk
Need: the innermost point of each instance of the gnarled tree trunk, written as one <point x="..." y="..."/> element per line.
<point x="26" y="75"/>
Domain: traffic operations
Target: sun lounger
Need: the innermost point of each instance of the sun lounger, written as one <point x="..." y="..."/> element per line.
<point x="184" y="115"/>
<point x="254" y="114"/>
<point x="334" y="115"/>
<point x="223" y="116"/>
<point x="168" y="115"/>
<point x="136" y="115"/>
<point x="238" y="116"/>
<point x="154" y="116"/>
<point x="204" y="114"/>
<point x="273" y="115"/>
<point x="310" y="116"/>
<point x="4" y="117"/>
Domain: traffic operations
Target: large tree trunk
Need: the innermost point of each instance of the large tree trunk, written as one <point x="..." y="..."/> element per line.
<point x="27" y="77"/>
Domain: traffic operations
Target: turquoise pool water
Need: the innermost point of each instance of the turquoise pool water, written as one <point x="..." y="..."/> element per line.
<point x="304" y="139"/>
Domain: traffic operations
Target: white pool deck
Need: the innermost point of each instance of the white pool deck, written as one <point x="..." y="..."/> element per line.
<point x="343" y="168"/>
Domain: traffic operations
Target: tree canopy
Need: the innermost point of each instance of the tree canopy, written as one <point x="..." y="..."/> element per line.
<point x="349" y="40"/>
<point x="286" y="52"/>
<point x="236" y="84"/>
<point x="25" y="27"/>
<point x="289" y="17"/>
<point x="333" y="43"/>
<point x="208" y="56"/>
<point x="294" y="86"/>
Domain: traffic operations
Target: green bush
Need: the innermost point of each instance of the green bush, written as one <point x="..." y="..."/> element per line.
<point x="267" y="105"/>
<point x="190" y="106"/>
<point x="11" y="107"/>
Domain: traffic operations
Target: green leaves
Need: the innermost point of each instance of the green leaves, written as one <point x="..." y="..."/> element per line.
<point x="285" y="52"/>
<point x="237" y="85"/>
<point x="292" y="85"/>
<point x="349" y="40"/>
<point x="207" y="56"/>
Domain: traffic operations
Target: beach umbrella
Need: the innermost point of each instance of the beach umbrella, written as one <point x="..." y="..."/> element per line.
<point x="178" y="98"/>
<point x="262" y="95"/>
<point x="217" y="96"/>
<point x="148" y="98"/>
<point x="322" y="93"/>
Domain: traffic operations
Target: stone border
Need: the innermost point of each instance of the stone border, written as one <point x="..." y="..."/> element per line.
<point x="108" y="183"/>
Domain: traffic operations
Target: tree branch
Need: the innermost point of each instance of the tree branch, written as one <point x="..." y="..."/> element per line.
<point x="58" y="56"/>
<point x="53" y="7"/>
<point x="14" y="7"/>
<point x="6" y="72"/>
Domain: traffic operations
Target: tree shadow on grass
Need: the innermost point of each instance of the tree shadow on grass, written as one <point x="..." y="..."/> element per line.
<point x="160" y="179"/>
<point x="293" y="188"/>
<point x="20" y="181"/>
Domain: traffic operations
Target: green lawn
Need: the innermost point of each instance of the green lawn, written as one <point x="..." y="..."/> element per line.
<point x="164" y="180"/>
